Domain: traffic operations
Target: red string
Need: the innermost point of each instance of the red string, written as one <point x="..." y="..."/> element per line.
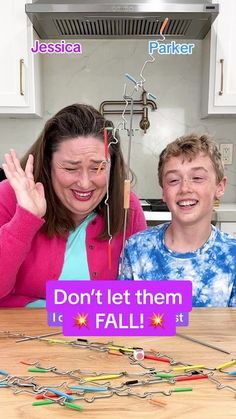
<point x="109" y="256"/>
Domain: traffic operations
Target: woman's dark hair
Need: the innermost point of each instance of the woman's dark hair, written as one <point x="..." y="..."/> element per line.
<point x="77" y="121"/>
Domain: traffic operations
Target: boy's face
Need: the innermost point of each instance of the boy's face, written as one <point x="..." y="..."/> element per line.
<point x="190" y="188"/>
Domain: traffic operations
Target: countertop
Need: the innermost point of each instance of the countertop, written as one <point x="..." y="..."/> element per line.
<point x="223" y="213"/>
<point x="162" y="216"/>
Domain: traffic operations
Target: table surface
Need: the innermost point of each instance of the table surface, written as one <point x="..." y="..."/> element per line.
<point x="214" y="326"/>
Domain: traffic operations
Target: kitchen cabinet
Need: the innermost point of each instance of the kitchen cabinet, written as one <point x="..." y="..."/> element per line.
<point x="20" y="87"/>
<point x="219" y="63"/>
<point x="229" y="228"/>
<point x="225" y="217"/>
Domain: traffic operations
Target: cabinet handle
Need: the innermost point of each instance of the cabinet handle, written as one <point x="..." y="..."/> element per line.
<point x="221" y="77"/>
<point x="22" y="77"/>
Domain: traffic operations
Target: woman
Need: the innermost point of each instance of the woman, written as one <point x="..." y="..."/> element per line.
<point x="53" y="212"/>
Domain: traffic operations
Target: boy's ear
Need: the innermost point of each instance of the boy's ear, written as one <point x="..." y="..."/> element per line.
<point x="220" y="189"/>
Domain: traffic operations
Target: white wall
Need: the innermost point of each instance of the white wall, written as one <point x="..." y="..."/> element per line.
<point x="98" y="74"/>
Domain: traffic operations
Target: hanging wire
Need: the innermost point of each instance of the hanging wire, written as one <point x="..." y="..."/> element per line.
<point x="138" y="84"/>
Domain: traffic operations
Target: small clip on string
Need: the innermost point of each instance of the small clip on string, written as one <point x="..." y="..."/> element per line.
<point x="163" y="26"/>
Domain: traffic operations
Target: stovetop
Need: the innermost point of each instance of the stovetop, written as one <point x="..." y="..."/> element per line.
<point x="153" y="205"/>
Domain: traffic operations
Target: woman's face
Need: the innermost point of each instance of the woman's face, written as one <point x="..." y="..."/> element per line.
<point x="75" y="176"/>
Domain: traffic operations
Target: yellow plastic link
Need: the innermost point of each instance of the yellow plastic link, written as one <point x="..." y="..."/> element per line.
<point x="227" y="364"/>
<point x="188" y="367"/>
<point x="102" y="377"/>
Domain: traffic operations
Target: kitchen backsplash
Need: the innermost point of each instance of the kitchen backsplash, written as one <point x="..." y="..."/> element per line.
<point x="98" y="74"/>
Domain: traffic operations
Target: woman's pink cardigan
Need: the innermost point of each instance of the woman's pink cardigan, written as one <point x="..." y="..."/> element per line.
<point x="28" y="258"/>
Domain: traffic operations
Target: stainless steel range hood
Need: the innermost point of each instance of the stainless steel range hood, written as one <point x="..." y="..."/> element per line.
<point x="57" y="19"/>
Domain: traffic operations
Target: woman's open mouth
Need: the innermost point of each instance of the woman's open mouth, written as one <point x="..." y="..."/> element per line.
<point x="82" y="196"/>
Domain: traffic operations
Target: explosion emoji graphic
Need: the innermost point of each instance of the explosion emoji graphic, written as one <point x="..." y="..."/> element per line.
<point x="81" y="320"/>
<point x="157" y="320"/>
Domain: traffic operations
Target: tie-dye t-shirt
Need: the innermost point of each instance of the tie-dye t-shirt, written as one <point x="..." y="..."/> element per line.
<point x="211" y="268"/>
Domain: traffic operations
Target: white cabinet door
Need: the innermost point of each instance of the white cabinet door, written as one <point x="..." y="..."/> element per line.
<point x="219" y="63"/>
<point x="229" y="228"/>
<point x="20" y="88"/>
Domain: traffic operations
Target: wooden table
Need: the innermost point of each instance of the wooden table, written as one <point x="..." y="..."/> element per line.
<point x="215" y="326"/>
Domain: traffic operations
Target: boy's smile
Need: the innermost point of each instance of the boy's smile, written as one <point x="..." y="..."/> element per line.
<point x="187" y="203"/>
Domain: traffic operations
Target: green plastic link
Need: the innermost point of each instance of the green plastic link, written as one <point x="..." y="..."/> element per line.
<point x="73" y="406"/>
<point x="180" y="389"/>
<point x="35" y="369"/>
<point x="42" y="402"/>
<point x="164" y="375"/>
<point x="67" y="404"/>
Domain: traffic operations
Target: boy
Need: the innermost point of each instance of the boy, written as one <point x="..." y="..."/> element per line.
<point x="192" y="177"/>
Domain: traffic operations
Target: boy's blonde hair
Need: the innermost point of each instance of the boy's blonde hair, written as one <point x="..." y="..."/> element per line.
<point x="189" y="147"/>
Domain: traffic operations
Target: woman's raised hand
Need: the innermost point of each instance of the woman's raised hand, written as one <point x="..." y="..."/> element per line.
<point x="29" y="195"/>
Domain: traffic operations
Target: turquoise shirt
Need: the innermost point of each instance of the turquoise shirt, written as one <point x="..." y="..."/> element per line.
<point x="75" y="265"/>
